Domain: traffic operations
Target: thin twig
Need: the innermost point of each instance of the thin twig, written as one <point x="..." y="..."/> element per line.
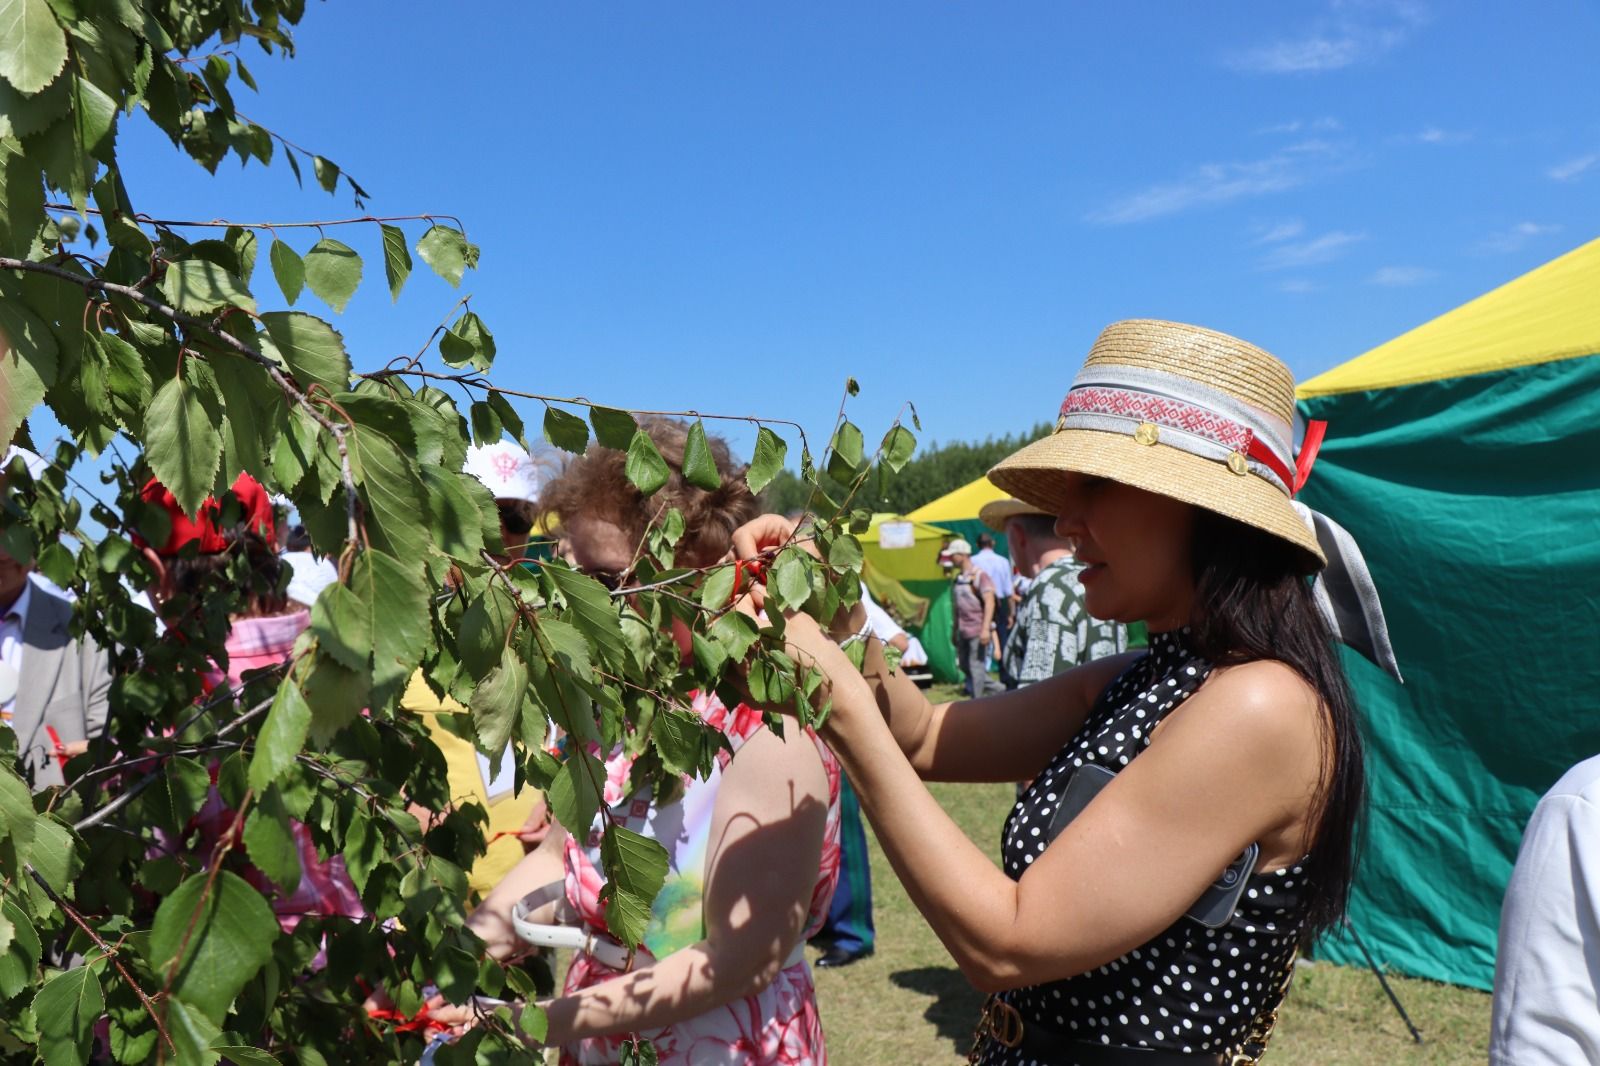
<point x="232" y="344"/>
<point x="222" y="223"/>
<point x="111" y="952"/>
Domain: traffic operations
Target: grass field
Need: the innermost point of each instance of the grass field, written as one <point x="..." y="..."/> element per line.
<point x="909" y="1003"/>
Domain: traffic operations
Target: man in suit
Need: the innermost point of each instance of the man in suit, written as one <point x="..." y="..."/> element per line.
<point x="53" y="686"/>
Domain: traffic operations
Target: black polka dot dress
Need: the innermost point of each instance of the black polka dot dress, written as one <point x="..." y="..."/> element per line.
<point x="1189" y="989"/>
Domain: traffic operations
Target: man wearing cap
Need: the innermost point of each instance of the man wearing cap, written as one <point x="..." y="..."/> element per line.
<point x="516" y="819"/>
<point x="972" y="594"/>
<point x="54" y="687"/>
<point x="1052" y="632"/>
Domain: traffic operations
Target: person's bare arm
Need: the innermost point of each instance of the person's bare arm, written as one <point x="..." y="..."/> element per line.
<point x="766" y="843"/>
<point x="539" y="869"/>
<point x="1238" y="762"/>
<point x="1007" y="737"/>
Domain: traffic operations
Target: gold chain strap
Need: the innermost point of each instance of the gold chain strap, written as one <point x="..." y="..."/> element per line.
<point x="1266" y="1020"/>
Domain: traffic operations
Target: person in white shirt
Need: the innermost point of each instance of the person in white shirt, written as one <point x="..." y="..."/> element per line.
<point x="890" y="633"/>
<point x="1547" y="972"/>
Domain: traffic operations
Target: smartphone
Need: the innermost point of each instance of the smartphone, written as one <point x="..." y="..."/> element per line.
<point x="1216" y="906"/>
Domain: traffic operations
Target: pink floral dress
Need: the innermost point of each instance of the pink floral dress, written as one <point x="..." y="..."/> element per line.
<point x="778" y="1026"/>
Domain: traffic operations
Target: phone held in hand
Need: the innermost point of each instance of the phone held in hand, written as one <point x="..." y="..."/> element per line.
<point x="1216" y="906"/>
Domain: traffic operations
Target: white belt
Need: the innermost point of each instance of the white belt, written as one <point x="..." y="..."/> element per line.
<point x="607" y="950"/>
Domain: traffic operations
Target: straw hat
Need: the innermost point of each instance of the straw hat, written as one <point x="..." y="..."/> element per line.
<point x="1187" y="412"/>
<point x="996" y="513"/>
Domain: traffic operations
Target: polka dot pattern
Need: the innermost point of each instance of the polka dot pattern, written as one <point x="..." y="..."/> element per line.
<point x="1189" y="988"/>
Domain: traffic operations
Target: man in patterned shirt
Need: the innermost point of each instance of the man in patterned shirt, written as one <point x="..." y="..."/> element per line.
<point x="1052" y="631"/>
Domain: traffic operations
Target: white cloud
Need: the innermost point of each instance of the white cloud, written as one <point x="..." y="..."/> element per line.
<point x="1572" y="168"/>
<point x="1298" y="286"/>
<point x="1351" y="33"/>
<point x="1218" y="183"/>
<point x="1299" y="125"/>
<point x="1434" y="135"/>
<point x="1323" y="249"/>
<point x="1400" y="276"/>
<point x="1516" y="237"/>
<point x="1280" y="231"/>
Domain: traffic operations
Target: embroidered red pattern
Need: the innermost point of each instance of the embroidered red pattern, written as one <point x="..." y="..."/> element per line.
<point x="1174" y="414"/>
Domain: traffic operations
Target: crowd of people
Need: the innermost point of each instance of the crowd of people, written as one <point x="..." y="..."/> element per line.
<point x="1108" y="928"/>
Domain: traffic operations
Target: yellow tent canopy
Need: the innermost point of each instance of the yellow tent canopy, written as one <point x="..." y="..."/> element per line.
<point x="918" y="562"/>
<point x="1552" y="312"/>
<point x="962" y="504"/>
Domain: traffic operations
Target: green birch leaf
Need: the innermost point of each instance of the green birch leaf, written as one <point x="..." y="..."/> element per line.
<point x="645" y="467"/>
<point x="244" y="245"/>
<point x="699" y="466"/>
<point x="199" y="286"/>
<point x="269" y="841"/>
<point x="333" y="270"/>
<point x="336" y="695"/>
<point x="327" y="173"/>
<point x="342" y="622"/>
<point x="468" y="341"/>
<point x="33" y="48"/>
<point x="591" y="610"/>
<point x="94" y="120"/>
<point x="248" y="433"/>
<point x="486" y="427"/>
<point x="310" y="347"/>
<point x="636" y="1051"/>
<point x="566" y="430"/>
<point x="192" y="1034"/>
<point x="790" y="578"/>
<point x="848" y="453"/>
<point x="497" y="701"/>
<point x="567" y="646"/>
<point x="294" y="165"/>
<point x="448" y="252"/>
<point x="391" y="489"/>
<point x="215" y="74"/>
<point x="396" y="257"/>
<point x="209" y="938"/>
<point x="454" y="516"/>
<point x="27" y="364"/>
<point x="716" y="592"/>
<point x="852" y="386"/>
<point x="363" y="850"/>
<point x="127" y="381"/>
<point x="613" y="428"/>
<point x="289" y="270"/>
<point x="636" y="868"/>
<point x="224" y="1045"/>
<point x="183" y="439"/>
<point x="282" y="736"/>
<point x="66" y="1009"/>
<point x="484" y="630"/>
<point x="23" y="116"/>
<point x="397" y="593"/>
<point x="54" y="854"/>
<point x="736" y="633"/>
<point x="898" y="445"/>
<point x="574" y="795"/>
<point x="244" y="74"/>
<point x="768" y="460"/>
<point x="508" y="416"/>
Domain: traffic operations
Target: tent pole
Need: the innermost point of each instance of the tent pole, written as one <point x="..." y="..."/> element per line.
<point x="1384" y="981"/>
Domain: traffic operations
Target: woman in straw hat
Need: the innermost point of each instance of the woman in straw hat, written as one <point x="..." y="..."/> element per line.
<point x="1106" y="936"/>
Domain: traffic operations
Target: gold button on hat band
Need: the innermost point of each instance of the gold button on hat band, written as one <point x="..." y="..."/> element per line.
<point x="1146" y="433"/>
<point x="1237" y="463"/>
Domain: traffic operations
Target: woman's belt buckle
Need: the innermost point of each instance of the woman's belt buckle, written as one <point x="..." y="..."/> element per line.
<point x="1001" y="1022"/>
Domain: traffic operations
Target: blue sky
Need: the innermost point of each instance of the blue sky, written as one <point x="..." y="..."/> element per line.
<point x="732" y="207"/>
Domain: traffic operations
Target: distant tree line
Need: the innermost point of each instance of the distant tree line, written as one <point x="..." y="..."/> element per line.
<point x="932" y="473"/>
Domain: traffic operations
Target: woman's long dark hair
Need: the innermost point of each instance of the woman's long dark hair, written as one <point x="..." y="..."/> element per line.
<point x="1253" y="602"/>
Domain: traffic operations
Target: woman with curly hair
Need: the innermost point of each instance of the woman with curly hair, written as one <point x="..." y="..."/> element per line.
<point x="753" y="849"/>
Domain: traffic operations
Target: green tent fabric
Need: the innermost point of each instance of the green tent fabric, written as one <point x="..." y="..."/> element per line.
<point x="1475" y="497"/>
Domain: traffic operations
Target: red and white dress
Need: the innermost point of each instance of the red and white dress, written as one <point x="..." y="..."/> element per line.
<point x="778" y="1026"/>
